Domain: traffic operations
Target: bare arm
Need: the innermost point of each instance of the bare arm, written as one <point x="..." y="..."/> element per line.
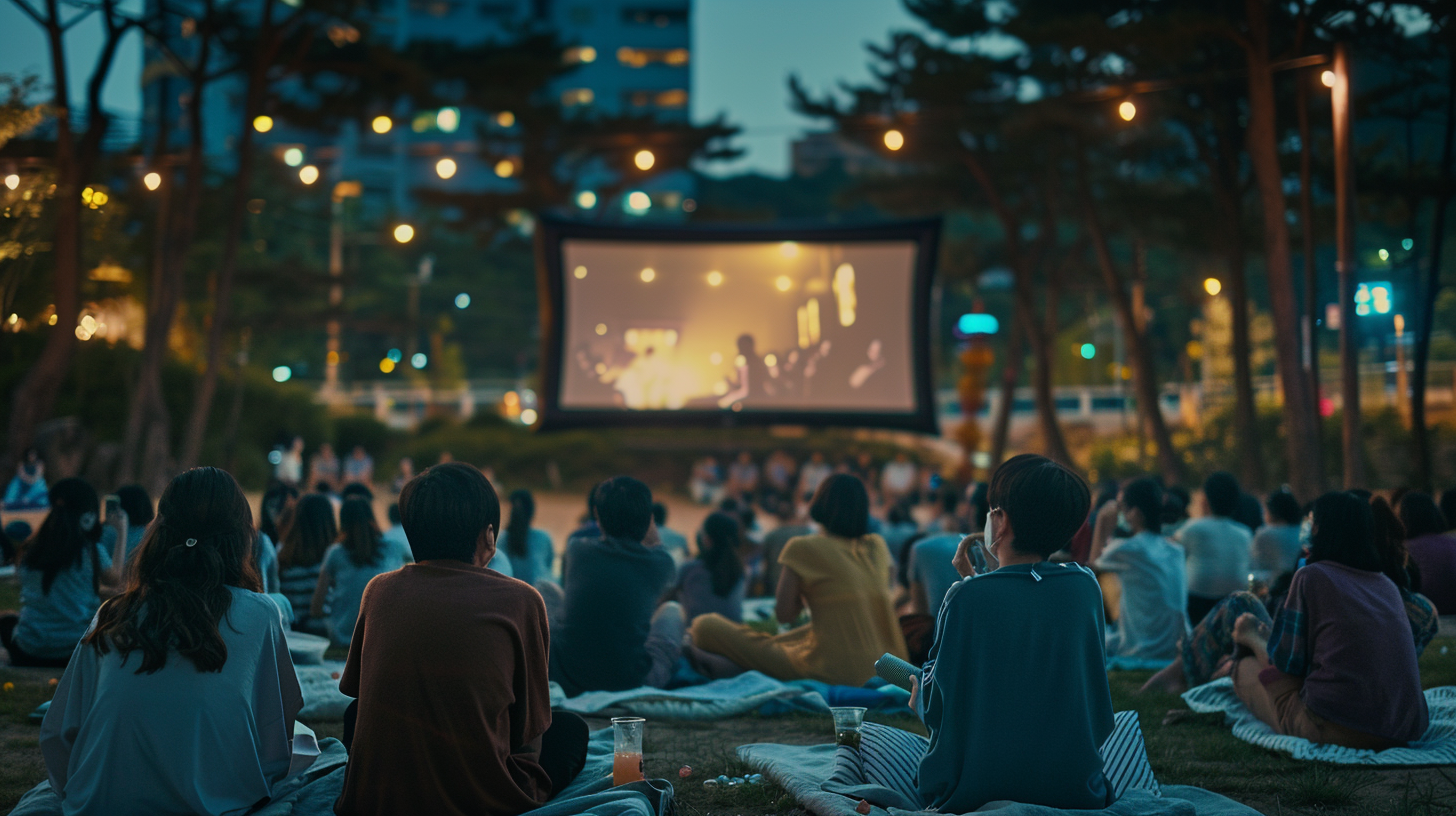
<point x="789" y="599"/>
<point x="320" y="593"/>
<point x="110" y="578"/>
<point x="1102" y="530"/>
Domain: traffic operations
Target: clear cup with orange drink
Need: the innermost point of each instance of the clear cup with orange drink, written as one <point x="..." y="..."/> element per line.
<point x="627" y="764"/>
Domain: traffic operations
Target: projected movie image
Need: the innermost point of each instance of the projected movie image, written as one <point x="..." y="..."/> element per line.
<point x="772" y="326"/>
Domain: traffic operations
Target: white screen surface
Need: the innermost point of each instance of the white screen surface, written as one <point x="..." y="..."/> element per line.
<point x="743" y="326"/>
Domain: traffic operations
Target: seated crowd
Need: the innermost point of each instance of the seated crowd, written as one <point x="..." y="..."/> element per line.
<point x="454" y="623"/>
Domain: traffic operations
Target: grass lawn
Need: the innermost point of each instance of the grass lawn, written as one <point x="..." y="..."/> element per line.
<point x="1193" y="750"/>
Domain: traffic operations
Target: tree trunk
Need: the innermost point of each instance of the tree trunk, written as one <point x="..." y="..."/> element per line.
<point x="1306" y="229"/>
<point x="1301" y="419"/>
<point x="1420" y="435"/>
<point x="35" y="397"/>
<point x="1053" y="442"/>
<point x="1145" y="375"/>
<point x="227" y="265"/>
<point x="1006" y="400"/>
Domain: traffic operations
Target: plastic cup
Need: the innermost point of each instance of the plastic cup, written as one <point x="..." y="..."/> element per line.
<point x="627" y="765"/>
<point x="847" y="722"/>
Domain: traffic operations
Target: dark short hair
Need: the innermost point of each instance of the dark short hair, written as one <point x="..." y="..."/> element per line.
<point x="1045" y="501"/>
<point x="1146" y="496"/>
<point x="393" y="513"/>
<point x="358" y="489"/>
<point x="1283" y="507"/>
<point x="624" y="507"/>
<point x="842" y="506"/>
<point x="659" y="513"/>
<point x="1448" y="504"/>
<point x="1421" y="516"/>
<point x="1250" y="512"/>
<point x="1221" y="490"/>
<point x="137" y="504"/>
<point x="445" y="509"/>
<point x="1344" y="532"/>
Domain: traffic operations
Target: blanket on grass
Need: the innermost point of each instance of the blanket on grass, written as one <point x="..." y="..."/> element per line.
<point x="1437" y="747"/>
<point x="804" y="770"/>
<point x="313" y="792"/>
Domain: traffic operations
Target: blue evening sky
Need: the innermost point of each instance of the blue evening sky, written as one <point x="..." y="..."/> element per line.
<point x="744" y="52"/>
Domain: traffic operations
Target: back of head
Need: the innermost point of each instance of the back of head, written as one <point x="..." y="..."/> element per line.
<point x="69" y="532"/>
<point x="1175" y="505"/>
<point x="1250" y="512"/>
<point x="1145" y="495"/>
<point x="200" y="544"/>
<point x="718" y="548"/>
<point x="1045" y="501"/>
<point x="278" y="497"/>
<point x="1344" y="532"/>
<point x="359" y="531"/>
<point x="841" y="505"/>
<point x="1421" y="516"/>
<point x="393" y="513"/>
<point x="624" y="508"/>
<point x="445" y="510"/>
<point x="659" y="513"/>
<point x="357" y="490"/>
<point x="137" y="504"/>
<point x="1284" y="508"/>
<point x="980" y="501"/>
<point x="523" y="512"/>
<point x="1221" y="490"/>
<point x="1389" y="538"/>
<point x="310" y="532"/>
<point x="1448" y="505"/>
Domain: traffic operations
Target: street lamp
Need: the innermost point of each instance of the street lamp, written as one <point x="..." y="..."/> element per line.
<point x="404" y="233"/>
<point x="1127" y="110"/>
<point x="1212" y="286"/>
<point x="152" y="180"/>
<point x="894" y="139"/>
<point x="12" y="181"/>
<point x="1327" y="78"/>
<point x="644" y="159"/>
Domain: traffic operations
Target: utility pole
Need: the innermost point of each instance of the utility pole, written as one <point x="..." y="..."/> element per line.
<point x="1345" y="266"/>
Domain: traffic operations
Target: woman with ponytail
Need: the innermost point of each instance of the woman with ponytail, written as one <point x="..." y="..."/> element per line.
<point x="182" y="697"/>
<point x="64" y="572"/>
<point x="714" y="581"/>
<point x="362" y="553"/>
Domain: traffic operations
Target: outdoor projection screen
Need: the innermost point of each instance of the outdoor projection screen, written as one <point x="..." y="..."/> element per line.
<point x="720" y="326"/>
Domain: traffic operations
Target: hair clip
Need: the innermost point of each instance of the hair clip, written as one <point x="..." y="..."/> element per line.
<point x="192" y="542"/>
<point x="87" y="521"/>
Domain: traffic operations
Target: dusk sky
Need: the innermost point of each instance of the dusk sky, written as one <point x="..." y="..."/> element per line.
<point x="744" y="52"/>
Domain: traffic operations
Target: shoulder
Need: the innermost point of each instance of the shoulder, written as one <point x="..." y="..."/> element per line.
<point x="254" y="607"/>
<point x="334" y="555"/>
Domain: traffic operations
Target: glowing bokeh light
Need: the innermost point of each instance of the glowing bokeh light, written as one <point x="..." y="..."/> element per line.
<point x="1212" y="286"/>
<point x="586" y="199"/>
<point x="293" y="156"/>
<point x="644" y="160"/>
<point x="894" y="139"/>
<point x="308" y="174"/>
<point x="152" y="180"/>
<point x="404" y="233"/>
<point x="263" y="124"/>
<point x="445" y="168"/>
<point x="715" y="278"/>
<point x="1127" y="110"/>
<point x="382" y="124"/>
<point x="282" y="374"/>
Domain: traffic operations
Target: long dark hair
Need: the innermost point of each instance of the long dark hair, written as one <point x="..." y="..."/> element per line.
<point x="1390" y="536"/>
<point x="200" y="544"/>
<point x="359" y="532"/>
<point x="1344" y="532"/>
<point x="68" y="534"/>
<point x="718" y="546"/>
<point x="523" y="512"/>
<point x="310" y="532"/>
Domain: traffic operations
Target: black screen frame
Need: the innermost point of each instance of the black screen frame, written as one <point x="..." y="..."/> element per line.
<point x="551" y="233"/>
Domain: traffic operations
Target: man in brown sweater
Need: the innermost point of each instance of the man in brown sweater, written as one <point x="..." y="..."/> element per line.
<point x="448" y="665"/>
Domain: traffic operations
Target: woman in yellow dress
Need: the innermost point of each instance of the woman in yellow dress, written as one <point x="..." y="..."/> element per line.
<point x="843" y="577"/>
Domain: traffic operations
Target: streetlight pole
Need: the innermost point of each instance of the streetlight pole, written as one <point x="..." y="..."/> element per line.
<point x="1345" y="266"/>
<point x="342" y="190"/>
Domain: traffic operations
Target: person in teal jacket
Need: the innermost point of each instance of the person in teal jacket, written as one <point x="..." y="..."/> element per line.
<point x="1015" y="693"/>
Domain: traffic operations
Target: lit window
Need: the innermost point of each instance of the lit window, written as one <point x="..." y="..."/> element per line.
<point x="672" y="98"/>
<point x="675" y="98"/>
<point x="573" y="97"/>
<point x="642" y="57"/>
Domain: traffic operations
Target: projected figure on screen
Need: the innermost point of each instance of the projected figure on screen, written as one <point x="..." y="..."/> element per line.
<point x="867" y="369"/>
<point x="751" y="379"/>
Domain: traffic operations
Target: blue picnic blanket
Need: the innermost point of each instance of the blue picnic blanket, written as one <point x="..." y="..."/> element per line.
<point x="1437" y="747"/>
<point x="313" y="792"/>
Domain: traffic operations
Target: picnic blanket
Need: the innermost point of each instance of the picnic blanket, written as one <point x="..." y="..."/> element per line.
<point x="818" y="779"/>
<point x="1437" y="747"/>
<point x="322" y="700"/>
<point x="710" y="701"/>
<point x="313" y="792"/>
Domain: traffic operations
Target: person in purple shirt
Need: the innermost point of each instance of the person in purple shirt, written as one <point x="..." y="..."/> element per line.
<point x="1432" y="549"/>
<point x="1338" y="666"/>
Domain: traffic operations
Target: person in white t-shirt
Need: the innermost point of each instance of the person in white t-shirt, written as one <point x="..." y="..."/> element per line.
<point x="1152" y="611"/>
<point x="1217" y="547"/>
